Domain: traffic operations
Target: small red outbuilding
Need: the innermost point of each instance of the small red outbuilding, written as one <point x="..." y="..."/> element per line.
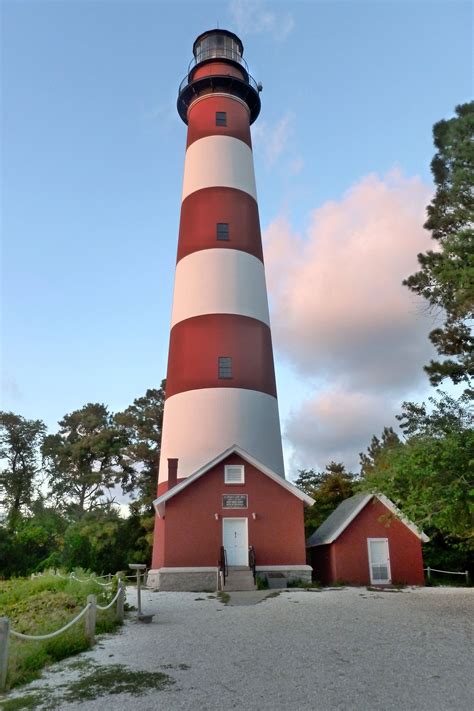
<point x="367" y="541"/>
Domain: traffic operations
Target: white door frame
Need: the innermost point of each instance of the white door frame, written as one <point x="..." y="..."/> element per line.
<point x="237" y="518"/>
<point x="373" y="580"/>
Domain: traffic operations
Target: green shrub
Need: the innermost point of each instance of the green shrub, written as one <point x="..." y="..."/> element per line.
<point x="42" y="605"/>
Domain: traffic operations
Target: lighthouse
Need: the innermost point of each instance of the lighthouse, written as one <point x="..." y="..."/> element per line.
<point x="221" y="482"/>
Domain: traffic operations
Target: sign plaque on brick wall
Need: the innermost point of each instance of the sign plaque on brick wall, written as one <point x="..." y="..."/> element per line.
<point x="234" y="501"/>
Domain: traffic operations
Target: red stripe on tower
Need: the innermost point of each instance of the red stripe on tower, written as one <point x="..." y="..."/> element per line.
<point x="221" y="382"/>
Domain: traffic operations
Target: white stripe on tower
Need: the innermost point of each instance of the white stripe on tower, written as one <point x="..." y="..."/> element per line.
<point x="201" y="432"/>
<point x="219" y="160"/>
<point x="220" y="280"/>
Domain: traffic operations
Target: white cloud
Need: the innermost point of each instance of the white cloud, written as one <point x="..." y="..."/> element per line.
<point x="254" y="16"/>
<point x="336" y="424"/>
<point x="275" y="143"/>
<point x="339" y="307"/>
<point x="341" y="316"/>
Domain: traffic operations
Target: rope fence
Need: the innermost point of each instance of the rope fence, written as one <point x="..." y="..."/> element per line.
<point x="430" y="570"/>
<point x="39" y="637"/>
<point x="72" y="576"/>
<point x="95" y="579"/>
<point x="89" y="613"/>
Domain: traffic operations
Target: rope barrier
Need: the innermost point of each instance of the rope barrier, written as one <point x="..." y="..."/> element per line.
<point x="448" y="572"/>
<point x="52" y="634"/>
<point x="88" y="580"/>
<point x="100" y="607"/>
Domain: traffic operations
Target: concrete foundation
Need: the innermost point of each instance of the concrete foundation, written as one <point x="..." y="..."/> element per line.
<point x="183" y="579"/>
<point x="278" y="576"/>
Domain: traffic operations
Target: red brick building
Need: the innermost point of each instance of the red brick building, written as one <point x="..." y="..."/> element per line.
<point x="367" y="541"/>
<point x="234" y="501"/>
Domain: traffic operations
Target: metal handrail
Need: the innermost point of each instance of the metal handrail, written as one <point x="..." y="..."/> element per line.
<point x="253" y="563"/>
<point x="223" y="567"/>
<point x="251" y="81"/>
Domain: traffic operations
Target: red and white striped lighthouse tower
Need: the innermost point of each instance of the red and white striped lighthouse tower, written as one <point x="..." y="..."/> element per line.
<point x="220" y="386"/>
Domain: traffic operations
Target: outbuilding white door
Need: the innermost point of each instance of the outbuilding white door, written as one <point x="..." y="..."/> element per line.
<point x="236" y="540"/>
<point x="379" y="561"/>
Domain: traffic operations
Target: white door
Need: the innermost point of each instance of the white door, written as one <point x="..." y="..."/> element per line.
<point x="235" y="540"/>
<point x="379" y="560"/>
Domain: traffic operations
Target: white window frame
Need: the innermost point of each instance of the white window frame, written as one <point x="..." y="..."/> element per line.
<point x="242" y="474"/>
<point x="374" y="581"/>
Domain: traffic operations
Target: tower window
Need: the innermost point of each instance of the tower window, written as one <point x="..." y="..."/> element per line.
<point x="225" y="367"/>
<point x="221" y="118"/>
<point x="223" y="230"/>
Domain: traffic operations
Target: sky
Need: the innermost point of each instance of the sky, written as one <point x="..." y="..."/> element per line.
<point x="91" y="171"/>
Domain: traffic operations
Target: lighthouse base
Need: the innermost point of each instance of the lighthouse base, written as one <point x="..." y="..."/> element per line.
<point x="207" y="579"/>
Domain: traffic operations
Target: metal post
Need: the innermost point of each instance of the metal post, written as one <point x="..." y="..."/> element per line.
<point x="110" y="577"/>
<point x="428" y="573"/>
<point x="120" y="602"/>
<point x="138" y="568"/>
<point x="4" y="639"/>
<point x="90" y="618"/>
<point x="466" y="573"/>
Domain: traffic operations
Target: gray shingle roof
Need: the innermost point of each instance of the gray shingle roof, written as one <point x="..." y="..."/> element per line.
<point x="327" y="531"/>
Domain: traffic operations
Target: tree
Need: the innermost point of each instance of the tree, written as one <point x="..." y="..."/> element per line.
<point x="372" y="459"/>
<point x="430" y="474"/>
<point x="20" y="442"/>
<point x="142" y="424"/>
<point x="85" y="459"/>
<point x="446" y="277"/>
<point x="327" y="488"/>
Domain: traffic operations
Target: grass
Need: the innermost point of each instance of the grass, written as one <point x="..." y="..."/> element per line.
<point x="30" y="701"/>
<point x="115" y="679"/>
<point x="223" y="597"/>
<point x="42" y="605"/>
<point x="95" y="681"/>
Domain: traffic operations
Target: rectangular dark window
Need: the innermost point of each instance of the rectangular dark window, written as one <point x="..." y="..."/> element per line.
<point x="223" y="230"/>
<point x="221" y="118"/>
<point x="225" y="367"/>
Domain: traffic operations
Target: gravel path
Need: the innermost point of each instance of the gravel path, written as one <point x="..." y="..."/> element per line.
<point x="348" y="649"/>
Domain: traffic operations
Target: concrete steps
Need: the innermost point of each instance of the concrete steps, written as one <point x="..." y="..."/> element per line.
<point x="239" y="579"/>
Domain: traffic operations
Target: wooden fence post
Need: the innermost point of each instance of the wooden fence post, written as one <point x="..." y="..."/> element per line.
<point x="120" y="602"/>
<point x="4" y="639"/>
<point x="467" y="577"/>
<point x="90" y="617"/>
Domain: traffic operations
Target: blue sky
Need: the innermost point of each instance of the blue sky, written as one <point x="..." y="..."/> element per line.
<point x="92" y="160"/>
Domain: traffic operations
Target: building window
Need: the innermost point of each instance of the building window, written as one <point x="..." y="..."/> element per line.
<point x="234" y="474"/>
<point x="225" y="367"/>
<point x="223" y="230"/>
<point x="221" y="118"/>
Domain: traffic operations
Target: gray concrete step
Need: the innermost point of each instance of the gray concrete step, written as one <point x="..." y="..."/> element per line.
<point x="239" y="580"/>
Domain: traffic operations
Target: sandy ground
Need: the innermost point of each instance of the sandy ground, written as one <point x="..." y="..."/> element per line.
<point x="345" y="648"/>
